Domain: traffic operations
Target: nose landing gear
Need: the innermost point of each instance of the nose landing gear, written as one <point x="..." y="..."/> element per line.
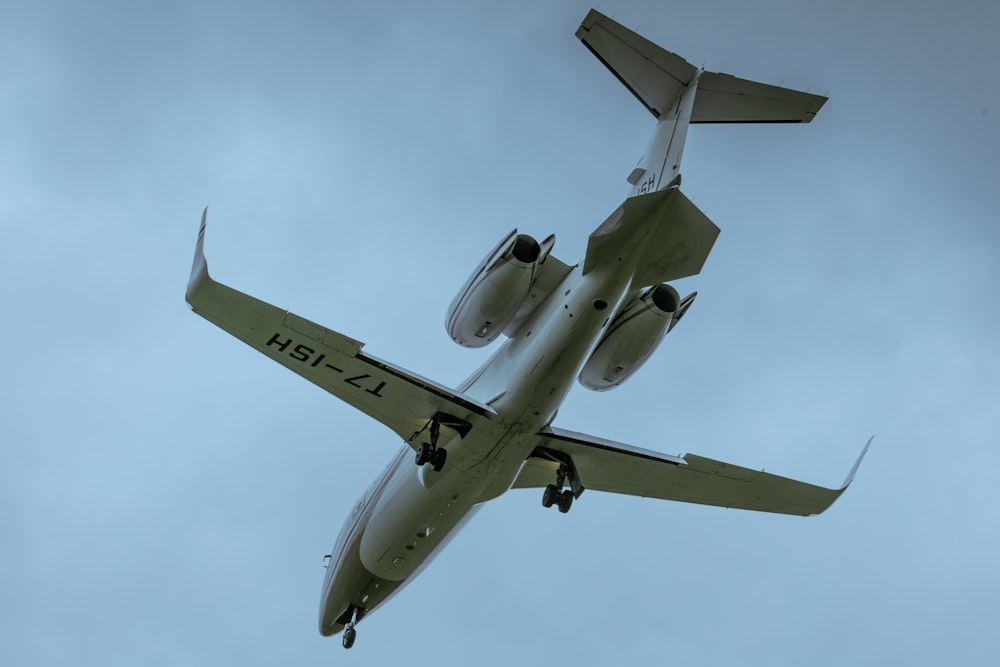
<point x="352" y="616"/>
<point x="350" y="634"/>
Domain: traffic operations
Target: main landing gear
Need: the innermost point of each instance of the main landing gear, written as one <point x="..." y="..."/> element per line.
<point x="554" y="494"/>
<point x="428" y="452"/>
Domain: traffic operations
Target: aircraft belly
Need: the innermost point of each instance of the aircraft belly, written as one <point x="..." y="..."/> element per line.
<point x="413" y="519"/>
<point x="540" y="366"/>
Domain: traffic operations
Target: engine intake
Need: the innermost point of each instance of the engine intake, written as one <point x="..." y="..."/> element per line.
<point x="494" y="292"/>
<point x="634" y="334"/>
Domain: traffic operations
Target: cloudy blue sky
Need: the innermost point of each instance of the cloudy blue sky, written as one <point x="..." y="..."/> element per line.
<point x="167" y="494"/>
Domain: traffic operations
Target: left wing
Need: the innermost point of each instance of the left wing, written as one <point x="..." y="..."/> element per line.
<point x="403" y="401"/>
<point x="605" y="465"/>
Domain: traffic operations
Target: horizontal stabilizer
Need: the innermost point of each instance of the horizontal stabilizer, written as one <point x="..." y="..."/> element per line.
<point x="657" y="78"/>
<point x="723" y="98"/>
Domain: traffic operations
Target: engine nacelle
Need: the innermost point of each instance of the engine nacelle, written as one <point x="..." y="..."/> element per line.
<point x="488" y="301"/>
<point x="633" y="335"/>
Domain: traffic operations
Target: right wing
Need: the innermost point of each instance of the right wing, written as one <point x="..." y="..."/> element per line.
<point x="605" y="465"/>
<point x="403" y="401"/>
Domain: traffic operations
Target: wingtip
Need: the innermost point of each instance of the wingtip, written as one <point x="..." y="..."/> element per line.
<point x="201" y="229"/>
<point x="199" y="267"/>
<point x="857" y="464"/>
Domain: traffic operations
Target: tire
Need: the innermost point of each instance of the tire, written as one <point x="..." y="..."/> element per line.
<point x="551" y="496"/>
<point x="565" y="501"/>
<point x="440" y="456"/>
<point x="350" y="634"/>
<point x="423" y="454"/>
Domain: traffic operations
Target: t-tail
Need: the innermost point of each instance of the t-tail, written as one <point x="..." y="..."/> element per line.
<point x="677" y="93"/>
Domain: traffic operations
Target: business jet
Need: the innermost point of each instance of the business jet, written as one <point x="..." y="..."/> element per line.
<point x="595" y="322"/>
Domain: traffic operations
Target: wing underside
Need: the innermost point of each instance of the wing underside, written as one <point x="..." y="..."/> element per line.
<point x="605" y="465"/>
<point x="401" y="400"/>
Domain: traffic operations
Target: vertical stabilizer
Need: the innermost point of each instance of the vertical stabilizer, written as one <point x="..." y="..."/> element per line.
<point x="664" y="82"/>
<point x="660" y="166"/>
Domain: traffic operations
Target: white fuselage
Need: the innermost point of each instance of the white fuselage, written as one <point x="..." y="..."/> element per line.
<point x="409" y="512"/>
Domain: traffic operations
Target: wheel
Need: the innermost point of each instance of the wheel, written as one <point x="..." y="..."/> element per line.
<point x="440" y="455"/>
<point x="423" y="454"/>
<point x="350" y="634"/>
<point x="565" y="501"/>
<point x="551" y="495"/>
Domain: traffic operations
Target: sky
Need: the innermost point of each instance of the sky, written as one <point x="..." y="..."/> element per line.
<point x="167" y="494"/>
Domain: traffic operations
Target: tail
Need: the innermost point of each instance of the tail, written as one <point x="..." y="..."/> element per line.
<point x="678" y="93"/>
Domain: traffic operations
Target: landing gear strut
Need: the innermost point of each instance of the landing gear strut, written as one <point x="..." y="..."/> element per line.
<point x="428" y="452"/>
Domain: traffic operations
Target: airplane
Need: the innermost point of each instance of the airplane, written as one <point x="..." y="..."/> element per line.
<point x="595" y="322"/>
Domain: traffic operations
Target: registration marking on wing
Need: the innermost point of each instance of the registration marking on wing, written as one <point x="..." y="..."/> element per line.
<point x="315" y="359"/>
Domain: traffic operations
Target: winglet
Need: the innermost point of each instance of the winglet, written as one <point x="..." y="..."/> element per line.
<point x="857" y="464"/>
<point x="199" y="268"/>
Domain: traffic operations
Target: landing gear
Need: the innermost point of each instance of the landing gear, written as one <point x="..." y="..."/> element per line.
<point x="554" y="494"/>
<point x="353" y="615"/>
<point x="428" y="452"/>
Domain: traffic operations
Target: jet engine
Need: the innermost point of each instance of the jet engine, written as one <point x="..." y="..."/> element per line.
<point x="633" y="335"/>
<point x="488" y="301"/>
